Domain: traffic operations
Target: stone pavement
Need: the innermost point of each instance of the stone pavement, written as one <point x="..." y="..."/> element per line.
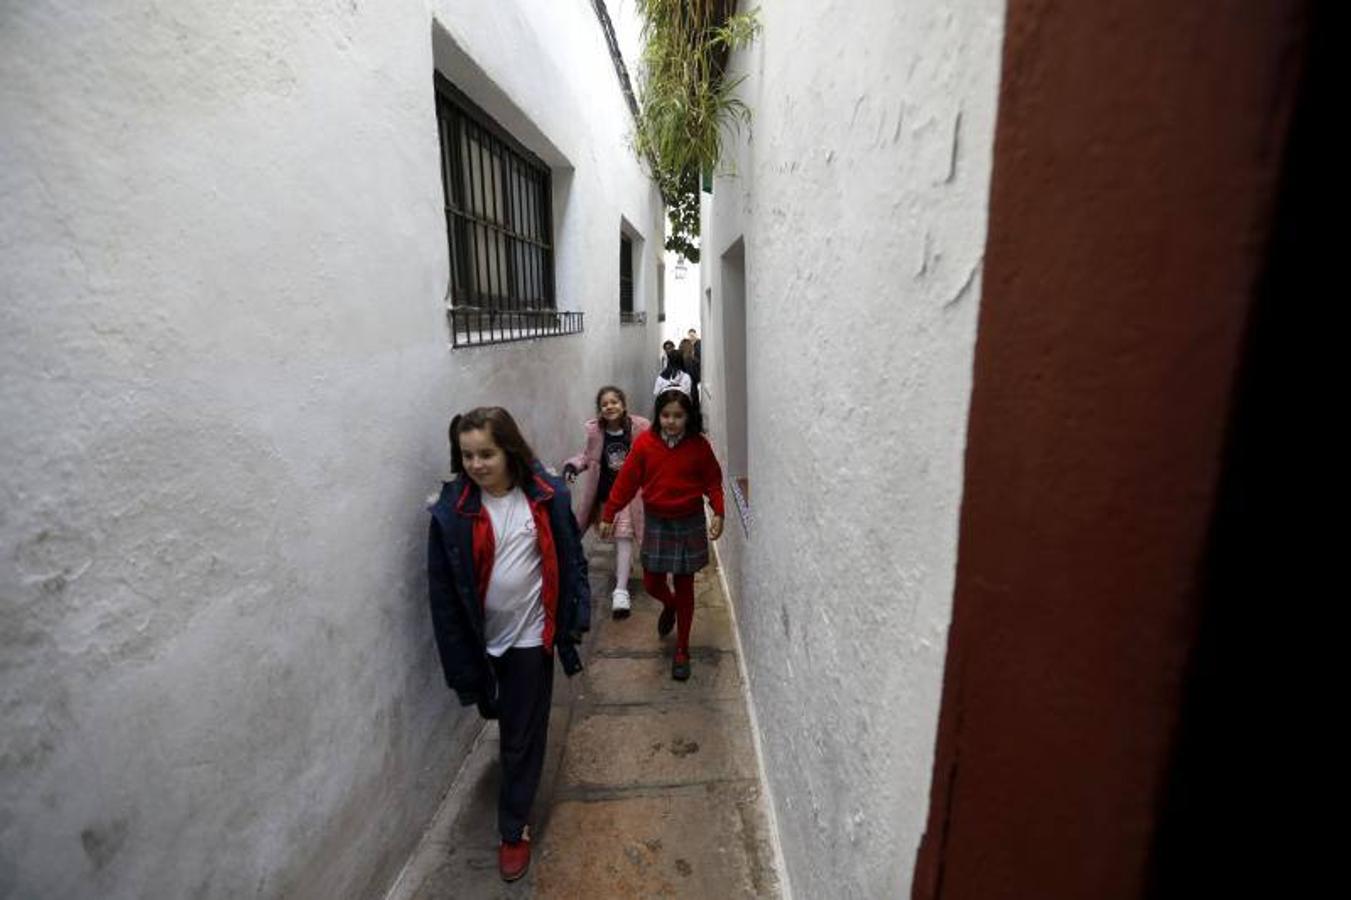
<point x="650" y="786"/>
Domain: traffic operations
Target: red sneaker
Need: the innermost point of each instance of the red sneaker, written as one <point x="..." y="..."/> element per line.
<point x="513" y="858"/>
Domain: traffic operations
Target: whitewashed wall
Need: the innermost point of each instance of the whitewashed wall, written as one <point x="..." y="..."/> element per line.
<point x="682" y="299"/>
<point x="860" y="200"/>
<point x="225" y="386"/>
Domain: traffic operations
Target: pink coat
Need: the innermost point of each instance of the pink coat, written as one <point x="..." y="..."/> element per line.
<point x="588" y="462"/>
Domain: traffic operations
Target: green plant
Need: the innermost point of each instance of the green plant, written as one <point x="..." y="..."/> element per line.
<point x="686" y="101"/>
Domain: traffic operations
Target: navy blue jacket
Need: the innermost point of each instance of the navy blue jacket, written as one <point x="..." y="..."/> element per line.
<point x="454" y="572"/>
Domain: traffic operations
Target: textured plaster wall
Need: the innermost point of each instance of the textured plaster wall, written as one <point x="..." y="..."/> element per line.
<point x="861" y="197"/>
<point x="225" y="379"/>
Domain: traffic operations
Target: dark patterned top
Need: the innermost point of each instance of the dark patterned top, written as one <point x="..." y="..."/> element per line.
<point x="612" y="456"/>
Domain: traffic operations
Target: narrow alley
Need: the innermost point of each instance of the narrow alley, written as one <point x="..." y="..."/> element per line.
<point x="952" y="349"/>
<point x="650" y="786"/>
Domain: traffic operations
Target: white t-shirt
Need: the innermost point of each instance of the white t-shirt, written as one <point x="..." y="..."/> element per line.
<point x="513" y="615"/>
<point x="680" y="382"/>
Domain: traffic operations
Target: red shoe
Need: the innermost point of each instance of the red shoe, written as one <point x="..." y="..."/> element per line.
<point x="513" y="858"/>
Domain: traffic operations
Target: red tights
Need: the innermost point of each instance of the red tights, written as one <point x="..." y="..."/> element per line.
<point x="682" y="598"/>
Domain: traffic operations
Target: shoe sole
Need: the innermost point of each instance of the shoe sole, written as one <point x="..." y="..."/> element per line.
<point x="663" y="632"/>
<point x="621" y="614"/>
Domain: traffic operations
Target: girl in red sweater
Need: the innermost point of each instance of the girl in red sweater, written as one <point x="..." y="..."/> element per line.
<point x="673" y="464"/>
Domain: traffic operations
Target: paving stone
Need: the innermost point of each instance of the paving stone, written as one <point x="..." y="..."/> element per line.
<point x="647" y="679"/>
<point x="708" y="589"/>
<point x="706" y="842"/>
<point x="470" y="873"/>
<point x="638" y="633"/>
<point x="713" y="628"/>
<point x="656" y="746"/>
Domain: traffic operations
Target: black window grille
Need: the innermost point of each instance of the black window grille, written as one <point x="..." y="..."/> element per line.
<point x="661" y="294"/>
<point x="499" y="224"/>
<point x="626" y="279"/>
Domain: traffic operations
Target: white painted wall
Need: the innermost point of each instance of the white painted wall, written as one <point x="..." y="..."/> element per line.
<point x="861" y="197"/>
<point x="628" y="24"/>
<point x="225" y="381"/>
<point x="682" y="299"/>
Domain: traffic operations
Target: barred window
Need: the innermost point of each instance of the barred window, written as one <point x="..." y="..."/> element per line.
<point x="625" y="278"/>
<point x="500" y="227"/>
<point x="627" y="314"/>
<point x="661" y="293"/>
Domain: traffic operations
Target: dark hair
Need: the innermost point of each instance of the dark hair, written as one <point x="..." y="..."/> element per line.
<point x="668" y="345"/>
<point x="505" y="434"/>
<point x="611" y="389"/>
<point x="674" y="363"/>
<point x="694" y="420"/>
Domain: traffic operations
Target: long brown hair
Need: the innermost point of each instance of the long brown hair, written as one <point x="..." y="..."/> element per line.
<point x="687" y="354"/>
<point x="505" y="434"/>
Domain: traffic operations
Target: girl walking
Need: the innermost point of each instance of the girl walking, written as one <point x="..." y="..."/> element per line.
<point x="508" y="587"/>
<point x="690" y="362"/>
<point x="673" y="464"/>
<point x="673" y="376"/>
<point x="609" y="438"/>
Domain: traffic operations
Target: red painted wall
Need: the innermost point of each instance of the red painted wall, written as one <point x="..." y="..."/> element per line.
<point x="1136" y="160"/>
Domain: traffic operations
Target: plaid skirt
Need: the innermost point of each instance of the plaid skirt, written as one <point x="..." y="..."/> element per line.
<point x="675" y="545"/>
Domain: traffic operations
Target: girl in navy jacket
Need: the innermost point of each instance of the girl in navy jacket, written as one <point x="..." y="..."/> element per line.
<point x="508" y="587"/>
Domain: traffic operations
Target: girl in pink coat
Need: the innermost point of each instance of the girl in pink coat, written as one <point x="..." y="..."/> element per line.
<point x="608" y="439"/>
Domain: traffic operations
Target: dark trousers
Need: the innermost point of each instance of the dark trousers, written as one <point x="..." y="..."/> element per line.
<point x="525" y="688"/>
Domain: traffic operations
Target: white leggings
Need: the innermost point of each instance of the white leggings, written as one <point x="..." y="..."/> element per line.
<point x="623" y="562"/>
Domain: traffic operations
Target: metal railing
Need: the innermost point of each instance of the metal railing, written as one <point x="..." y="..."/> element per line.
<point x="474" y="327"/>
<point x="630" y="317"/>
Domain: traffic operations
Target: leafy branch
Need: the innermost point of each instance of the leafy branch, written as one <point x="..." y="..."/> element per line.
<point x="686" y="101"/>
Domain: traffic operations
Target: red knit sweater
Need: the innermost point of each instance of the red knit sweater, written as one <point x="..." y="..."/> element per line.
<point x="674" y="480"/>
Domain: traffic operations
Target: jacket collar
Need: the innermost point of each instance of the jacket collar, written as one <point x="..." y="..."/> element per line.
<point x="539" y="488"/>
<point x="469" y="498"/>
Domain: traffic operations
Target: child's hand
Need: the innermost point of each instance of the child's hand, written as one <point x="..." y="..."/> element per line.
<point x="570" y="473"/>
<point x="607" y="530"/>
<point x="715" y="528"/>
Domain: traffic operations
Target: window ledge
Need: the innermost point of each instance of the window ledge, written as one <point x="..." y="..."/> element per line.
<point x="477" y="327"/>
<point x="632" y="318"/>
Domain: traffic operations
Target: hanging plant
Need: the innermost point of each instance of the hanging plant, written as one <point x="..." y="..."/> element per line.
<point x="687" y="103"/>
